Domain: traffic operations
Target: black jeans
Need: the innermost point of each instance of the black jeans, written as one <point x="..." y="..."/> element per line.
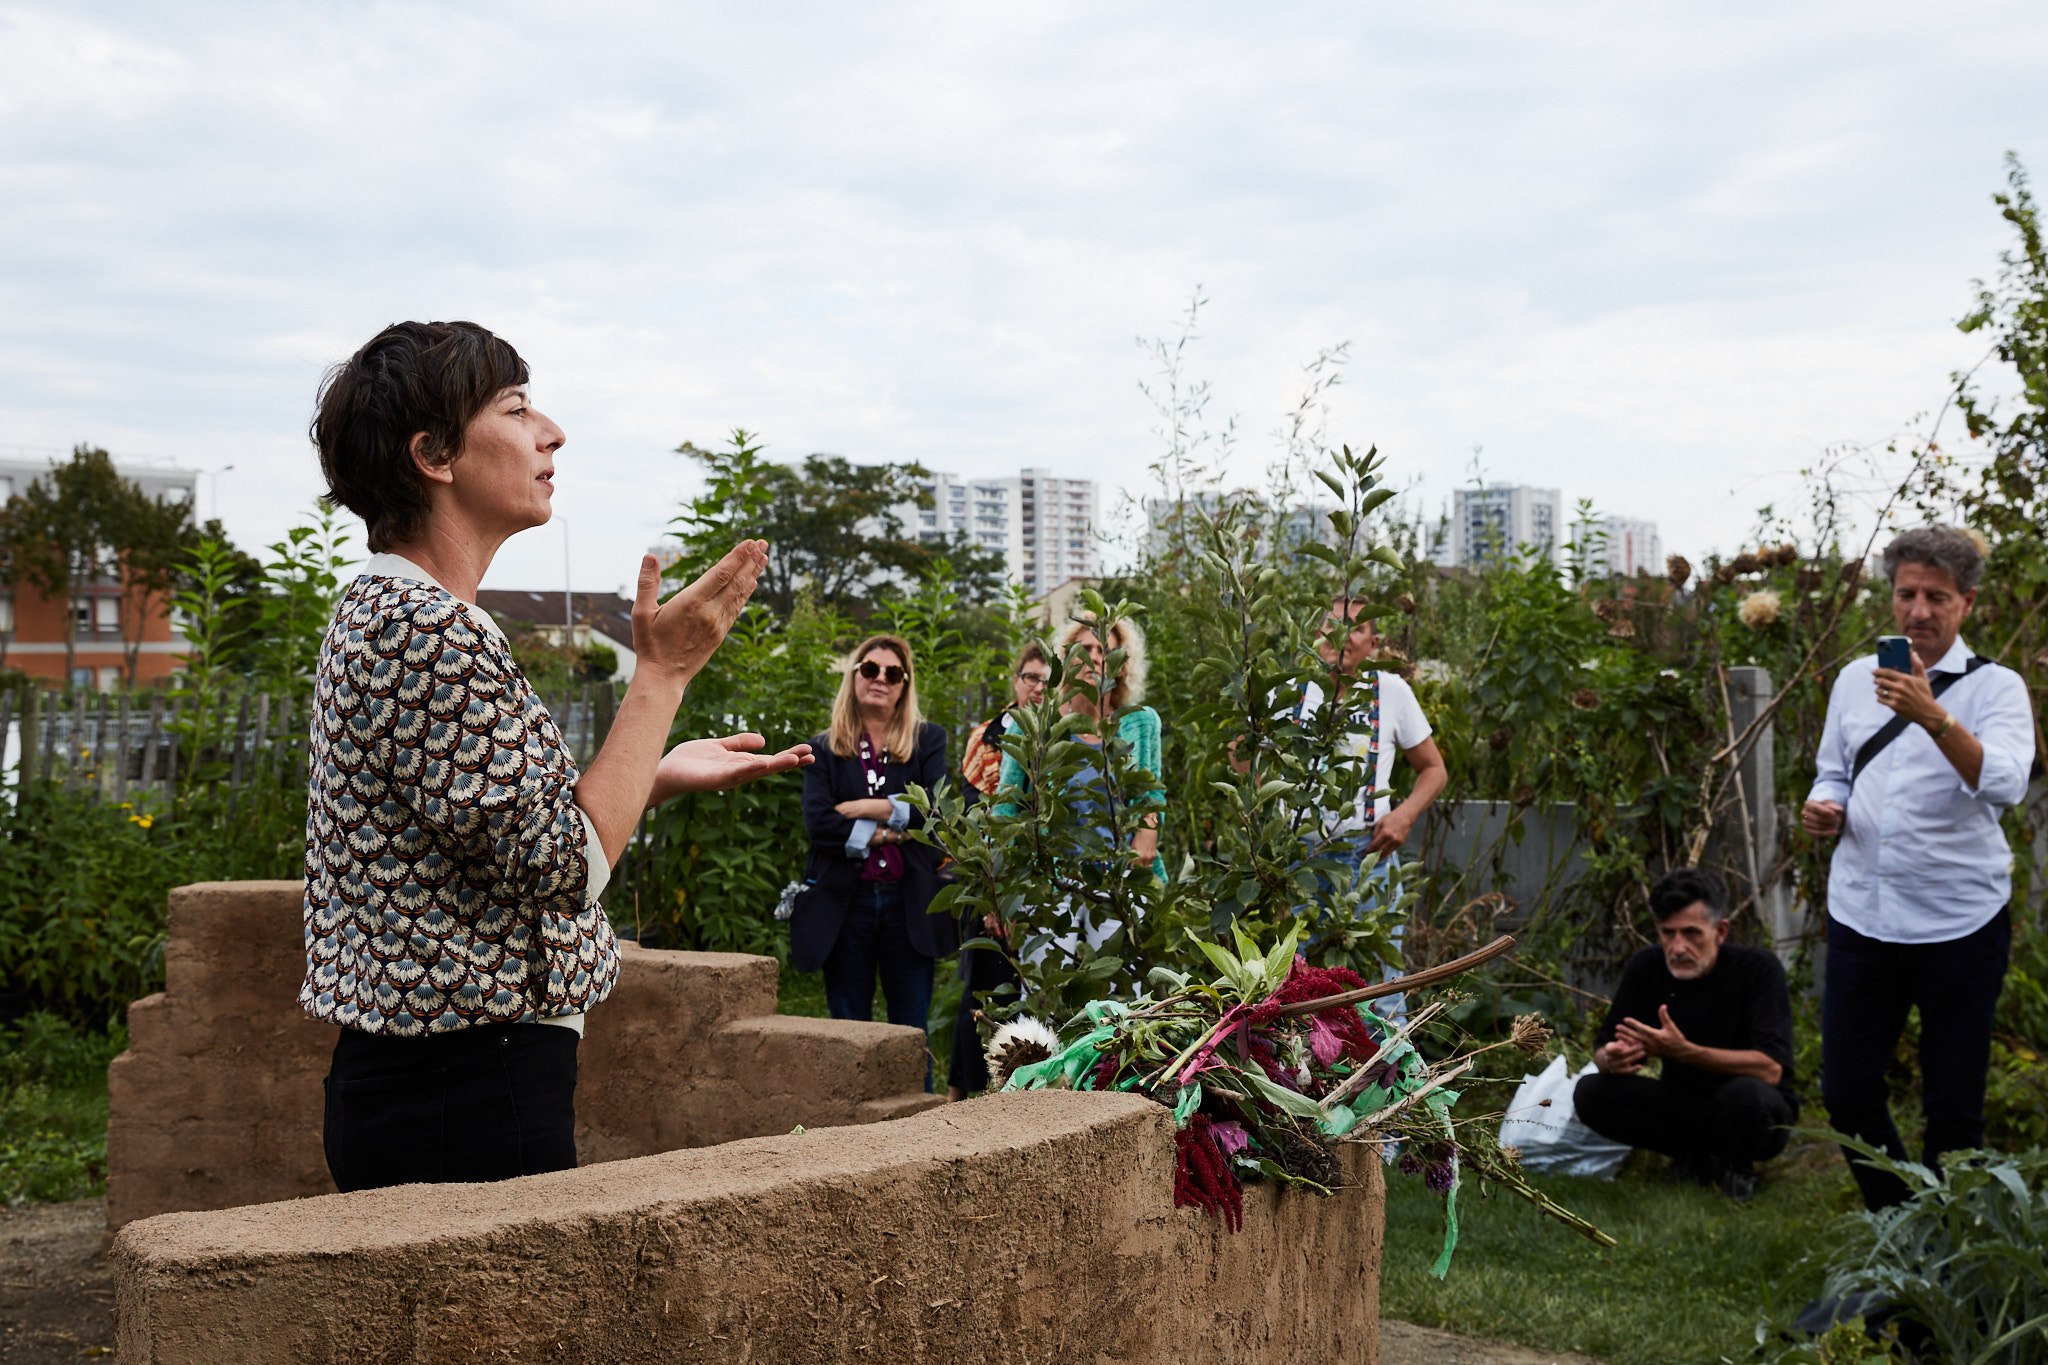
<point x="1742" y="1121"/>
<point x="874" y="940"/>
<point x="986" y="970"/>
<point x="1870" y="986"/>
<point x="483" y="1103"/>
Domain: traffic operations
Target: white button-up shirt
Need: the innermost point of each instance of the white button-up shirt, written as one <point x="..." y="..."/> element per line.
<point x="1922" y="858"/>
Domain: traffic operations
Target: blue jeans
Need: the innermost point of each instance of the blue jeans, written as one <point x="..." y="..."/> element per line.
<point x="874" y="941"/>
<point x="1349" y="849"/>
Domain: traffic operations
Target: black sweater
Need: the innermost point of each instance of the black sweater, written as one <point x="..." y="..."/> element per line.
<point x="1742" y="1004"/>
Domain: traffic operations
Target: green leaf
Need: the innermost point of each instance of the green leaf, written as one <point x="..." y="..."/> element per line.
<point x="1287" y="1101"/>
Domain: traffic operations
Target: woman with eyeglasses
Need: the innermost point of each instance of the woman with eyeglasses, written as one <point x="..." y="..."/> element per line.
<point x="1117" y="701"/>
<point x="982" y="969"/>
<point x="862" y="913"/>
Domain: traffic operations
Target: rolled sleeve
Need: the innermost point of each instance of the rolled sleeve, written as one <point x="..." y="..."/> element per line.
<point x="599" y="875"/>
<point x="899" y="813"/>
<point x="858" y="841"/>
<point x="2005" y="727"/>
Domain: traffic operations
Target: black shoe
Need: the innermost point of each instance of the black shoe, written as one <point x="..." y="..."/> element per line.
<point x="1738" y="1183"/>
<point x="1690" y="1170"/>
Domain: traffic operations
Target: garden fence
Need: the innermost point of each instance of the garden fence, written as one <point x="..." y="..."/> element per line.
<point x="124" y="744"/>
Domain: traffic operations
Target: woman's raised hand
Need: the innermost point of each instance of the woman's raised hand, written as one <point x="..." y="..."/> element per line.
<point x="679" y="636"/>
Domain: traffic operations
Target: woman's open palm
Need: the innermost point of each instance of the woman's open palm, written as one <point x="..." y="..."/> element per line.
<point x="716" y="765"/>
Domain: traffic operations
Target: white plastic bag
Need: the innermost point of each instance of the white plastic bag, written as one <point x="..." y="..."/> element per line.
<point x="1550" y="1137"/>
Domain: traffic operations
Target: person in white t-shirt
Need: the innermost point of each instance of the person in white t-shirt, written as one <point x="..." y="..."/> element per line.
<point x="1395" y="724"/>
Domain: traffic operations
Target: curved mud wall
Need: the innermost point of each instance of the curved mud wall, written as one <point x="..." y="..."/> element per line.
<point x="1035" y="1227"/>
<point x="217" y="1101"/>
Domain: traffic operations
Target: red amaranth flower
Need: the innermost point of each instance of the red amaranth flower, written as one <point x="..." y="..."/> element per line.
<point x="1202" y="1175"/>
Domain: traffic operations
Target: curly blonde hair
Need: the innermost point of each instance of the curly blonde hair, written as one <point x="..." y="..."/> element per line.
<point x="1124" y="634"/>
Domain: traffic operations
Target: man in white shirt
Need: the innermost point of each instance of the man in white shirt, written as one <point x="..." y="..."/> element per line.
<point x="1914" y="771"/>
<point x="1393" y="723"/>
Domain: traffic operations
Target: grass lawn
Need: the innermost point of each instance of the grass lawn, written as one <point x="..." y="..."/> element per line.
<point x="1689" y="1281"/>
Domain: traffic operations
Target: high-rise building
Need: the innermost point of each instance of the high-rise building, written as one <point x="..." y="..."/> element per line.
<point x="1490" y="524"/>
<point x="1618" y="547"/>
<point x="1042" y="525"/>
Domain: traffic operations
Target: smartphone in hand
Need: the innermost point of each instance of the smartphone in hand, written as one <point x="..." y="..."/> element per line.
<point x="1895" y="652"/>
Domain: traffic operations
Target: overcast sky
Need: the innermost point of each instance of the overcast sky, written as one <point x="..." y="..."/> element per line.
<point x="1659" y="255"/>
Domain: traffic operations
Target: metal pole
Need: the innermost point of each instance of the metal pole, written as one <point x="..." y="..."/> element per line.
<point x="568" y="588"/>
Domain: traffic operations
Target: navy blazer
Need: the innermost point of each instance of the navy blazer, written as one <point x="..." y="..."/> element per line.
<point x="831" y="876"/>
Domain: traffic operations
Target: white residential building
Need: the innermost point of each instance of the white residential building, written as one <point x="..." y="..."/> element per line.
<point x="1618" y="547"/>
<point x="1493" y="523"/>
<point x="1042" y="525"/>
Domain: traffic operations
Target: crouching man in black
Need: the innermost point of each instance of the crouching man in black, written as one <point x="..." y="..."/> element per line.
<point x="1720" y="1018"/>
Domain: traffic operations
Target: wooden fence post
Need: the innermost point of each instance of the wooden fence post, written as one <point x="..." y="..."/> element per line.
<point x="31" y="725"/>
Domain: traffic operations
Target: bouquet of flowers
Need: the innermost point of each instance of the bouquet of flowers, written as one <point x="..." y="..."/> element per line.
<point x="1270" y="1065"/>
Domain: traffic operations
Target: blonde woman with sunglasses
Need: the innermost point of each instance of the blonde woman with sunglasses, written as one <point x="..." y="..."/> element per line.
<point x="861" y="916"/>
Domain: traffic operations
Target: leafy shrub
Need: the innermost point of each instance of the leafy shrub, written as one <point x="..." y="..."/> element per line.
<point x="1966" y="1257"/>
<point x="53" y="1140"/>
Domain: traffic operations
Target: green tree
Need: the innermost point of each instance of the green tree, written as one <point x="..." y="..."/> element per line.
<point x="65" y="530"/>
<point x="154" y="537"/>
<point x="831" y="525"/>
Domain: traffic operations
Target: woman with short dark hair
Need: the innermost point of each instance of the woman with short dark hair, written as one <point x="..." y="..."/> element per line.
<point x="862" y="913"/>
<point x="454" y="854"/>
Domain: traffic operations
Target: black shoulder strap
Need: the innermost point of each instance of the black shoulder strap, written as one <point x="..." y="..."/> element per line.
<point x="1896" y="726"/>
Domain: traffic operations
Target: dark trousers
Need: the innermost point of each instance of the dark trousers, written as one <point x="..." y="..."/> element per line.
<point x="483" y="1103"/>
<point x="985" y="971"/>
<point x="874" y="941"/>
<point x="1742" y="1122"/>
<point x="1870" y="986"/>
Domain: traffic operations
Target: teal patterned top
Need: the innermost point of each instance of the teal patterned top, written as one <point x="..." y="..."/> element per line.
<point x="1140" y="730"/>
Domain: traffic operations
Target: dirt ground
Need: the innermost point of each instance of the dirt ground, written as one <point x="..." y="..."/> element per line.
<point x="56" y="1295"/>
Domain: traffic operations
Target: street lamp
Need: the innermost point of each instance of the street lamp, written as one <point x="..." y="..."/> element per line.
<point x="215" y="474"/>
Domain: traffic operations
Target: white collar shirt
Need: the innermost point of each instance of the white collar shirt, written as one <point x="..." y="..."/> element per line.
<point x="1921" y="857"/>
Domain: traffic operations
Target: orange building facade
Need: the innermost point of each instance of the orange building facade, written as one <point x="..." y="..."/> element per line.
<point x="114" y="623"/>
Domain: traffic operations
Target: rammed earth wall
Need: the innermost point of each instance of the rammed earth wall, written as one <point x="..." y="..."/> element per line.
<point x="1031" y="1227"/>
<point x="217" y="1101"/>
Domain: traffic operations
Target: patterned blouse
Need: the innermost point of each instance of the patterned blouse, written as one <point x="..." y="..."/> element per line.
<point x="451" y="879"/>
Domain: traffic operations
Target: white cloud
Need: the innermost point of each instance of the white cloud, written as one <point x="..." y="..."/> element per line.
<point x="1655" y="255"/>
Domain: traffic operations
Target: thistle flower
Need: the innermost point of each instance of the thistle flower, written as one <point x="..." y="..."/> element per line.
<point x="1759" y="609"/>
<point x="1018" y="1043"/>
<point x="1529" y="1034"/>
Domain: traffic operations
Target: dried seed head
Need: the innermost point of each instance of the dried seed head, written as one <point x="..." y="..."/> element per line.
<point x="1529" y="1034"/>
<point x="1586" y="699"/>
<point x="1678" y="569"/>
<point x="1759" y="609"/>
<point x="1511" y="1155"/>
<point x="1406" y="603"/>
<point x="1018" y="1043"/>
<point x="1607" y="608"/>
<point x="1624" y="629"/>
<point x="1500" y="739"/>
<point x="1524" y="795"/>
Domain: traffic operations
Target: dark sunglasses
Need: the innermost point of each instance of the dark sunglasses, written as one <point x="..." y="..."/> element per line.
<point x="893" y="674"/>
